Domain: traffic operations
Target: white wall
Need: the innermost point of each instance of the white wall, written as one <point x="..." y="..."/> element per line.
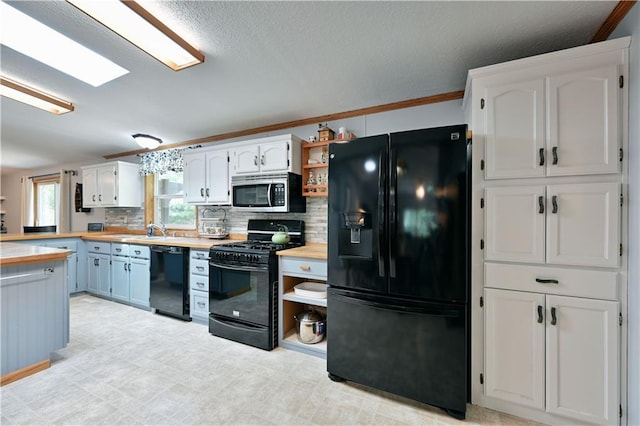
<point x="631" y="26"/>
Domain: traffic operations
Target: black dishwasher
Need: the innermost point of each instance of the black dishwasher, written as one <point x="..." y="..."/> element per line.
<point x="170" y="281"/>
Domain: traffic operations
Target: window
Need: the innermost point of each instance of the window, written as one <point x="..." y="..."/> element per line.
<point x="46" y="201"/>
<point x="171" y="208"/>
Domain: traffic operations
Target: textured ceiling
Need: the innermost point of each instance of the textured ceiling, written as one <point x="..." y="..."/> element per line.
<point x="270" y="62"/>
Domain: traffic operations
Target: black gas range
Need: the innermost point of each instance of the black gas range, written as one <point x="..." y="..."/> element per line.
<point x="243" y="283"/>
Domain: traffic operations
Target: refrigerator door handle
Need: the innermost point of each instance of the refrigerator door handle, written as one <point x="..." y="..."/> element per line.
<point x="442" y="312"/>
<point x="393" y="184"/>
<point x="381" y="243"/>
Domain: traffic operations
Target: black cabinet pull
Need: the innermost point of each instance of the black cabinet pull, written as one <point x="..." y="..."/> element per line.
<point x="202" y="192"/>
<point x="554" y="320"/>
<point x="541" y="156"/>
<point x="541" y="204"/>
<point x="554" y="152"/>
<point x="540" y="319"/>
<point x="207" y="191"/>
<point x="554" y="203"/>
<point x="546" y="281"/>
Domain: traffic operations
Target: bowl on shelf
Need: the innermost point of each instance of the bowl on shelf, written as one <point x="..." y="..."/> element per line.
<point x="311" y="290"/>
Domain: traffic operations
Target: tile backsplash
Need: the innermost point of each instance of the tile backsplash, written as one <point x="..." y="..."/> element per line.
<point x="315" y="218"/>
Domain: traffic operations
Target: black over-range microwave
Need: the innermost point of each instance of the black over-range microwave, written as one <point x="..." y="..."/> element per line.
<point x="280" y="192"/>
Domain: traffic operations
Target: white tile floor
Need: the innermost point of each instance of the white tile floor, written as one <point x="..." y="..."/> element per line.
<point x="127" y="366"/>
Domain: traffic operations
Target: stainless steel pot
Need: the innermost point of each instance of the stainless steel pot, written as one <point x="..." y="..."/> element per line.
<point x="310" y="326"/>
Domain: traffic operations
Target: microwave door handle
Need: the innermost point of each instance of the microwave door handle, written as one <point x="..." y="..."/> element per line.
<point x="269" y="194"/>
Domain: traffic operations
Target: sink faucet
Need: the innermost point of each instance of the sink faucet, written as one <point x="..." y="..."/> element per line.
<point x="162" y="228"/>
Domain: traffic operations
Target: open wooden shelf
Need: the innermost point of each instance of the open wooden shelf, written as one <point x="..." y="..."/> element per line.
<point x="313" y="151"/>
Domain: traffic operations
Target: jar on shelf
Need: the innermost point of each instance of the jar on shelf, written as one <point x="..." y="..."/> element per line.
<point x="325" y="154"/>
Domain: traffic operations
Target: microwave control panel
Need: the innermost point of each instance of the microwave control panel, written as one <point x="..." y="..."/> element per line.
<point x="279" y="195"/>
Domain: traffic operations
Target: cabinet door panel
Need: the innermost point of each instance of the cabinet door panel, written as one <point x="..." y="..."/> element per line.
<point x="139" y="278"/>
<point x="247" y="159"/>
<point x="514" y="225"/>
<point x="514" y="347"/>
<point x="582" y="359"/>
<point x="104" y="275"/>
<point x="274" y="156"/>
<point x="583" y="122"/>
<point x="93" y="273"/>
<point x="194" y="178"/>
<point x="514" y="130"/>
<point x="89" y="189"/>
<point x="120" y="278"/>
<point x="218" y="177"/>
<point x="107" y="186"/>
<point x="585" y="230"/>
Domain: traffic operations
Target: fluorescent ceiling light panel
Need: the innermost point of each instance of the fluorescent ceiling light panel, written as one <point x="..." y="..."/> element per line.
<point x="24" y="34"/>
<point x="137" y="25"/>
<point x="29" y="96"/>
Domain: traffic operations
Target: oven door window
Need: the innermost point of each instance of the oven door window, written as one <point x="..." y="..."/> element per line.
<point x="240" y="294"/>
<point x="251" y="195"/>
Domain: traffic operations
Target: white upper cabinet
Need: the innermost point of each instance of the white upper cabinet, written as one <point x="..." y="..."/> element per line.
<point x="115" y="184"/>
<point x="515" y="130"/>
<point x="583" y="122"/>
<point x="276" y="154"/>
<point x="267" y="157"/>
<point x="567" y="224"/>
<point x="560" y="125"/>
<point x="206" y="177"/>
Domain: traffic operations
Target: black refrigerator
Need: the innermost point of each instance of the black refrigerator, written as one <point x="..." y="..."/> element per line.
<point x="398" y="264"/>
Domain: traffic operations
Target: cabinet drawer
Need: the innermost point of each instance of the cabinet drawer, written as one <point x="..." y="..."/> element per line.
<point x="198" y="266"/>
<point x="120" y="249"/>
<point x="98" y="247"/>
<point x="63" y="244"/>
<point x="199" y="282"/>
<point x="301" y="267"/>
<point x="199" y="254"/>
<point x="199" y="302"/>
<point x="139" y="251"/>
<point x="549" y="280"/>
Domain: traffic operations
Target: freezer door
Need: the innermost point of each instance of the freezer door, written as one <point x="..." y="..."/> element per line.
<point x="428" y="221"/>
<point x="357" y="203"/>
<point x="416" y="350"/>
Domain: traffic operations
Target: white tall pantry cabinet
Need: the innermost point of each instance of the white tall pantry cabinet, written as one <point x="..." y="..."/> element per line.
<point x="550" y="235"/>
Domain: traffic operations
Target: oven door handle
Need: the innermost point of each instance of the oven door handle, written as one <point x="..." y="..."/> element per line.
<point x="237" y="267"/>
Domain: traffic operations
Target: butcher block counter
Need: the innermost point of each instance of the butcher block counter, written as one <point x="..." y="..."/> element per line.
<point x="191" y="242"/>
<point x="309" y="251"/>
<point x="35" y="308"/>
<point x="21" y="254"/>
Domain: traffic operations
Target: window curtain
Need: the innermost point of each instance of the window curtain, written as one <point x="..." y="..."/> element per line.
<point x="66" y="198"/>
<point x="161" y="162"/>
<point x="27" y="217"/>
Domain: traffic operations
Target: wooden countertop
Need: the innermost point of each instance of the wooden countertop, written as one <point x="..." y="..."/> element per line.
<point x="47" y="235"/>
<point x="309" y="251"/>
<point x="191" y="242"/>
<point x="12" y="254"/>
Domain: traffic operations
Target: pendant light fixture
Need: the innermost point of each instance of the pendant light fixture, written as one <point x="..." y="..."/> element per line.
<point x="147" y="141"/>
